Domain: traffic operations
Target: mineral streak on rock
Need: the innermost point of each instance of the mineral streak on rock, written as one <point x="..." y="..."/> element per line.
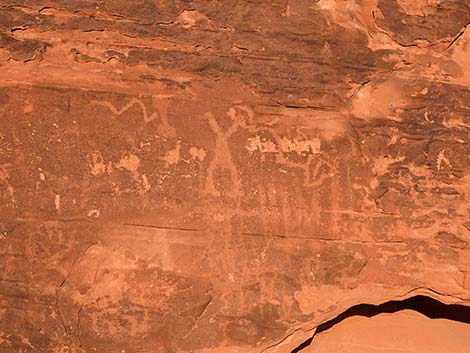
<point x="226" y="176"/>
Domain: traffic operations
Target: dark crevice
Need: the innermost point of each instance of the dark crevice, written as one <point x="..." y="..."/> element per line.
<point x="427" y="306"/>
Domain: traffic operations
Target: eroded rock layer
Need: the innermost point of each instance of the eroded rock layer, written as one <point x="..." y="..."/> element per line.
<point x="406" y="331"/>
<point x="224" y="176"/>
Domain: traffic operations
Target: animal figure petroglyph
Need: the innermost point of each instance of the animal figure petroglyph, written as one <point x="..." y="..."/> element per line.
<point x="316" y="168"/>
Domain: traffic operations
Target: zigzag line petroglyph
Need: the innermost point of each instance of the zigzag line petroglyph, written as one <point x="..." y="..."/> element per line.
<point x="165" y="128"/>
<point x="129" y="105"/>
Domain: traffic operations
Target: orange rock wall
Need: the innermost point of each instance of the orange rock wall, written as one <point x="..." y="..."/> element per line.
<point x="224" y="176"/>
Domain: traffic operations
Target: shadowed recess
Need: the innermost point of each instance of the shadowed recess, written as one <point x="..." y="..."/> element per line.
<point x="427" y="306"/>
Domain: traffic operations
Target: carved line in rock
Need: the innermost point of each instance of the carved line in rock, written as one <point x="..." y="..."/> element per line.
<point x="135" y="101"/>
<point x="316" y="160"/>
<point x="129" y="105"/>
<point x="222" y="157"/>
<point x="431" y="308"/>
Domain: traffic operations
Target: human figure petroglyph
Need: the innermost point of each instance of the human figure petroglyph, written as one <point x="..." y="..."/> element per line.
<point x="222" y="156"/>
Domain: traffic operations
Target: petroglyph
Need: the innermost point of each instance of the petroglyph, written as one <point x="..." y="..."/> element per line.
<point x="442" y="158"/>
<point x="173" y="156"/>
<point x="335" y="153"/>
<point x="382" y="164"/>
<point x="57" y="203"/>
<point x="197" y="153"/>
<point x="313" y="168"/>
<point x="316" y="168"/>
<point x="129" y="162"/>
<point x="4" y="179"/>
<point x="125" y="108"/>
<point x="222" y="156"/>
<point x="301" y="147"/>
<point x="165" y="126"/>
<point x="97" y="164"/>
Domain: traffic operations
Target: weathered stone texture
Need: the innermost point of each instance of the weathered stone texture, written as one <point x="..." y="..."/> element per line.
<point x="223" y="176"/>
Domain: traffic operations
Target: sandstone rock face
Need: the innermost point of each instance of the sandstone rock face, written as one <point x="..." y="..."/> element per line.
<point x="224" y="176"/>
<point x="406" y="331"/>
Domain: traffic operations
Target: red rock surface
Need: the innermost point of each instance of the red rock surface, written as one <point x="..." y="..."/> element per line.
<point x="403" y="332"/>
<point x="224" y="176"/>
